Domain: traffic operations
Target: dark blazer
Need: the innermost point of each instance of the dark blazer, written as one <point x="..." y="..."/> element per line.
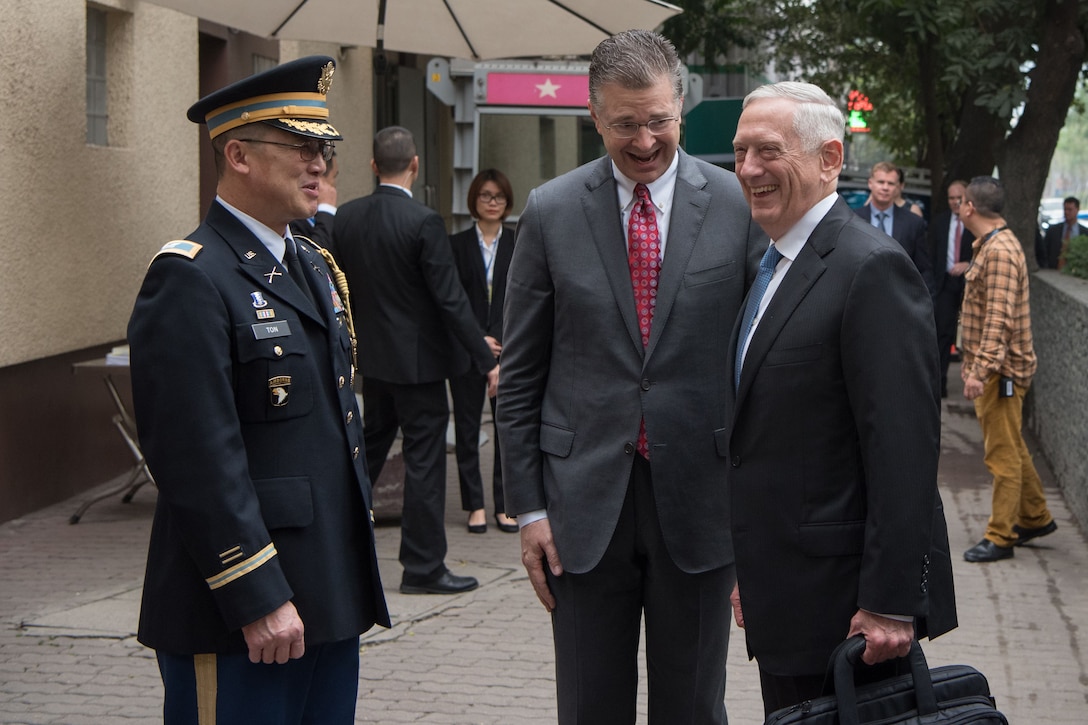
<point x="834" y="444"/>
<point x="263" y="496"/>
<point x="938" y="245"/>
<point x="575" y="378"/>
<point x="1049" y="248"/>
<point x="470" y="268"/>
<point x="319" y="231"/>
<point x="412" y="317"/>
<point x="910" y="231"/>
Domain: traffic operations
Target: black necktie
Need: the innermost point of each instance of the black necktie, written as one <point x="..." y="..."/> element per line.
<point x="298" y="275"/>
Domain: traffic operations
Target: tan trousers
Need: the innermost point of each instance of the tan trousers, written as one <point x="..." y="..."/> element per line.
<point x="1018" y="492"/>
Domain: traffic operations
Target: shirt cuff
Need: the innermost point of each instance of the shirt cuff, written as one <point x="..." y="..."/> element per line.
<point x="531" y="517"/>
<point x="328" y="208"/>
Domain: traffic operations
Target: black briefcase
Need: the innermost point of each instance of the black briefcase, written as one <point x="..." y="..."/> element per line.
<point x="950" y="694"/>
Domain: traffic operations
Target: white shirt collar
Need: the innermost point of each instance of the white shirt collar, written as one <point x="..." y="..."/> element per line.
<point x="270" y="238"/>
<point x="794" y="239"/>
<point x="661" y="189"/>
<point x="398" y="186"/>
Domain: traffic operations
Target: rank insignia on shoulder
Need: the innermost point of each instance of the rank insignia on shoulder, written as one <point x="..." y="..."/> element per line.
<point x="180" y="247"/>
<point x="278" y="389"/>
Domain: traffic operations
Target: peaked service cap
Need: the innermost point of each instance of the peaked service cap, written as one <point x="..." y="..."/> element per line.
<point x="290" y="96"/>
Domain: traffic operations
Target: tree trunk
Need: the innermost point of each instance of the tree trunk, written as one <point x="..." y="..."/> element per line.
<point x="1024" y="159"/>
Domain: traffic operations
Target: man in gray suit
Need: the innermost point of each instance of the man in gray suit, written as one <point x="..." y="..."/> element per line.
<point x="612" y="397"/>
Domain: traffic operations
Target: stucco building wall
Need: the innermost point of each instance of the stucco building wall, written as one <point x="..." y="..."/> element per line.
<point x="81" y="221"/>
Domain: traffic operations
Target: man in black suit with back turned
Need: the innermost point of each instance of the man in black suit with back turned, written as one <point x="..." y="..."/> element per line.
<point x="897" y="221"/>
<point x="951" y="245"/>
<point x="837" y="525"/>
<point x="416" y="329"/>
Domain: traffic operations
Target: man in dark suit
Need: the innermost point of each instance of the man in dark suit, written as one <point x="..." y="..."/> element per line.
<point x="897" y="221"/>
<point x="837" y="525"/>
<point x="416" y="329"/>
<point x="261" y="549"/>
<point x="951" y="245"/>
<point x="1050" y="250"/>
<point x="612" y="400"/>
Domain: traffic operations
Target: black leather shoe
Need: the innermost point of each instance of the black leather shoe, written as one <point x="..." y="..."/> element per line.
<point x="477" y="528"/>
<point x="1027" y="535"/>
<point x="446" y="584"/>
<point x="511" y="528"/>
<point x="987" y="550"/>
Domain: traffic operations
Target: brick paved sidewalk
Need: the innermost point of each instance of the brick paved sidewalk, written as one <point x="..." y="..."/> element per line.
<point x="69" y="596"/>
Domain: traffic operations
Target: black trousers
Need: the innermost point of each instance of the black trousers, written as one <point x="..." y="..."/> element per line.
<point x="946" y="313"/>
<point x="468" y="392"/>
<point x="422" y="413"/>
<point x="596" y="627"/>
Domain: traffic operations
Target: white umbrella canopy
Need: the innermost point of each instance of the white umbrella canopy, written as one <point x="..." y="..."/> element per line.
<point x="477" y="29"/>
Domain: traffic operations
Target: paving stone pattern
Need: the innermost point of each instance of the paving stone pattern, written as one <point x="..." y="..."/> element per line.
<point x="69" y="597"/>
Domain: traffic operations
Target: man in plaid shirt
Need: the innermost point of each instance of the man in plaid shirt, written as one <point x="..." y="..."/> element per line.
<point x="998" y="364"/>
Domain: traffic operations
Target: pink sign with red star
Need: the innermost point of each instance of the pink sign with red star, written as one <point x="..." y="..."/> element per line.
<point x="537" y="89"/>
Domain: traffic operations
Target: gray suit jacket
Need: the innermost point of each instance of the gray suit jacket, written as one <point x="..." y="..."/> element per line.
<point x="575" y="379"/>
<point x="834" y="447"/>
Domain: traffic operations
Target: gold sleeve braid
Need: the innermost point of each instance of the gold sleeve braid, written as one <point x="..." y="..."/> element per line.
<point x="341" y="282"/>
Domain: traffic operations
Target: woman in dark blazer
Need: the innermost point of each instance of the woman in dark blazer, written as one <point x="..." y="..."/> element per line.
<point x="482" y="254"/>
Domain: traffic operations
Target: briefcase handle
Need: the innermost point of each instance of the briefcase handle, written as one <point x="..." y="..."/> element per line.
<point x="847" y="656"/>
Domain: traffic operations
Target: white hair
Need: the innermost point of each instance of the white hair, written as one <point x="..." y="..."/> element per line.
<point x="817" y="118"/>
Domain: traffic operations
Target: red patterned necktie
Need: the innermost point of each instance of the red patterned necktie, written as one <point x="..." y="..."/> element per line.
<point x="644" y="259"/>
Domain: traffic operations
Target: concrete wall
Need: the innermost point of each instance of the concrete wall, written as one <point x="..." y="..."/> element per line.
<point x="1057" y="405"/>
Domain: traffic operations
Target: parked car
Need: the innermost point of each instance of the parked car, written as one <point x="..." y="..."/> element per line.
<point x="1051" y="211"/>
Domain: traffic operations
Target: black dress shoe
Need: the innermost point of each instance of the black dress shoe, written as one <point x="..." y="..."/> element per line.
<point x="477" y="528"/>
<point x="987" y="550"/>
<point x="446" y="584"/>
<point x="506" y="528"/>
<point x="1027" y="535"/>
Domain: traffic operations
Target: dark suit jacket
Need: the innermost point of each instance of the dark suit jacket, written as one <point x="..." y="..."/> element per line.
<point x="263" y="496"/>
<point x="938" y="244"/>
<point x="1050" y="249"/>
<point x="412" y="317"/>
<point x="910" y="231"/>
<point x="575" y="379"/>
<point x="470" y="267"/>
<point x="834" y="445"/>
<point x="319" y="231"/>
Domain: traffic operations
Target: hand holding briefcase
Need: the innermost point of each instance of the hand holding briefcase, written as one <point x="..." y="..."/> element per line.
<point x="949" y="694"/>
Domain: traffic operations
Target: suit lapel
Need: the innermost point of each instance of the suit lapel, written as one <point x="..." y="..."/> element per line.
<point x="802" y="275"/>
<point x="257" y="263"/>
<point x="601" y="207"/>
<point x="500" y="267"/>
<point x="689" y="207"/>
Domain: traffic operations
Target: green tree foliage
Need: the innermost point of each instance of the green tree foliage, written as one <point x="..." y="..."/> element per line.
<point x="957" y="87"/>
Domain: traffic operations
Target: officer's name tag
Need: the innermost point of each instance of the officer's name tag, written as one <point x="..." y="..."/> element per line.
<point x="276" y="328"/>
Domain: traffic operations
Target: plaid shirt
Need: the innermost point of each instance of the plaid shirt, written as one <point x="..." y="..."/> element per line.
<point x="996" y="316"/>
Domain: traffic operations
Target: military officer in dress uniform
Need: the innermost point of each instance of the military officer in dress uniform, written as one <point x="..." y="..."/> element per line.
<point x="261" y="570"/>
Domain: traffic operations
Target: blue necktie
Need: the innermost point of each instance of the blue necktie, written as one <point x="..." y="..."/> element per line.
<point x="759" y="288"/>
<point x="880" y="217"/>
